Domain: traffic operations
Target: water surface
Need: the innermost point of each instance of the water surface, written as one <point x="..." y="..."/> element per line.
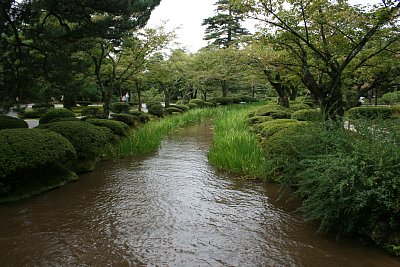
<point x="169" y="209"/>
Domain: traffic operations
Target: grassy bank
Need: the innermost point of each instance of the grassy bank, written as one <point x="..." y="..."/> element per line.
<point x="235" y="148"/>
<point x="148" y="138"/>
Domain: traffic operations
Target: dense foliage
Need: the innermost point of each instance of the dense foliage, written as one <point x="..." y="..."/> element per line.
<point x="55" y="114"/>
<point x="117" y="127"/>
<point x="7" y="122"/>
<point x="87" y="139"/>
<point x="25" y="149"/>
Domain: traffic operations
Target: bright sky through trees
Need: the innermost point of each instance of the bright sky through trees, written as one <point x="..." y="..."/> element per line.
<point x="188" y="16"/>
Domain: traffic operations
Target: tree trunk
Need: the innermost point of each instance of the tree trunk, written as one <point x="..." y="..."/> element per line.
<point x="332" y="100"/>
<point x="224" y="86"/>
<point x="138" y="94"/>
<point x="279" y="86"/>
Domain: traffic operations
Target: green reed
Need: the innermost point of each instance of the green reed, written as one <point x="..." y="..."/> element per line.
<point x="235" y="148"/>
<point x="148" y="137"/>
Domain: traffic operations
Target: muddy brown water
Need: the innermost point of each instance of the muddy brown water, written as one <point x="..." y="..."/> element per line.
<point x="169" y="209"/>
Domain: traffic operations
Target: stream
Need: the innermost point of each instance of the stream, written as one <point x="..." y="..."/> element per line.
<point x="170" y="208"/>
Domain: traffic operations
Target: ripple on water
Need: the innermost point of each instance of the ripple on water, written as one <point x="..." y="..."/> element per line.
<point x="170" y="209"/>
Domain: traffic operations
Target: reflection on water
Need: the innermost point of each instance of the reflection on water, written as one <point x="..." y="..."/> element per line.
<point x="169" y="209"/>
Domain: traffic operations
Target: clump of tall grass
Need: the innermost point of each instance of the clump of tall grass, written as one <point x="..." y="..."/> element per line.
<point x="148" y="138"/>
<point x="235" y="148"/>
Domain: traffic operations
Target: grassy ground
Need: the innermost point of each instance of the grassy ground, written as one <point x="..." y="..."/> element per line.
<point x="235" y="148"/>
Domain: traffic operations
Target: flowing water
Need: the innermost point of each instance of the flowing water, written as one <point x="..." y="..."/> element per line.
<point x="169" y="209"/>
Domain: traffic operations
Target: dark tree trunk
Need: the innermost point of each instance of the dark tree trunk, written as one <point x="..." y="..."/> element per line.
<point x="280" y="88"/>
<point x="138" y="94"/>
<point x="224" y="86"/>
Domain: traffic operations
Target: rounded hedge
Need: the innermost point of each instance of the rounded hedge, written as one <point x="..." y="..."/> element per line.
<point x="200" y="103"/>
<point x="120" y="107"/>
<point x="117" y="127"/>
<point x="136" y="113"/>
<point x="181" y="107"/>
<point x="31" y="113"/>
<point x="298" y="106"/>
<point x="370" y="113"/>
<point x="275" y="111"/>
<point x="171" y="110"/>
<point x="56" y="114"/>
<point x="192" y="105"/>
<point x="307" y="115"/>
<point x="24" y="149"/>
<point x="270" y="128"/>
<point x="87" y="139"/>
<point x="128" y="119"/>
<point x="42" y="105"/>
<point x="248" y="99"/>
<point x="258" y="119"/>
<point x="92" y="112"/>
<point x="7" y="122"/>
<point x="225" y="100"/>
<point x="155" y="108"/>
<point x="84" y="103"/>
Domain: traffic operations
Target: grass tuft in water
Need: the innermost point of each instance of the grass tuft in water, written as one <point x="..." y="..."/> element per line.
<point x="235" y="148"/>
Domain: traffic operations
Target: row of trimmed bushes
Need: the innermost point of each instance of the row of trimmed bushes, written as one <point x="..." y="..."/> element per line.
<point x="61" y="143"/>
<point x="349" y="180"/>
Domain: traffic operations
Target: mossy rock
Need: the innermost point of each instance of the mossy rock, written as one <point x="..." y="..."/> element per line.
<point x="7" y="122"/>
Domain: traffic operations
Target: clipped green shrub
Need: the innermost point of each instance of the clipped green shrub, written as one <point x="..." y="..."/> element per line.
<point x="181" y="107"/>
<point x="274" y="111"/>
<point x="144" y="118"/>
<point x="224" y="100"/>
<point x="289" y="148"/>
<point x="269" y="128"/>
<point x="92" y="112"/>
<point x="210" y="104"/>
<point x="136" y="113"/>
<point x="155" y="108"/>
<point x="84" y="103"/>
<point x="87" y="139"/>
<point x="56" y="114"/>
<point x="117" y="127"/>
<point x="298" y="106"/>
<point x="128" y="119"/>
<point x="25" y="149"/>
<point x="307" y="115"/>
<point x="391" y="98"/>
<point x="171" y="110"/>
<point x="120" y="107"/>
<point x="200" y="103"/>
<point x="31" y="113"/>
<point x="43" y="106"/>
<point x="192" y="105"/>
<point x="258" y="119"/>
<point x="370" y="113"/>
<point x="7" y="122"/>
<point x="248" y="99"/>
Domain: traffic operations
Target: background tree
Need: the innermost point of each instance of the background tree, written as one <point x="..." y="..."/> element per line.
<point x="325" y="38"/>
<point x="40" y="37"/>
<point x="224" y="29"/>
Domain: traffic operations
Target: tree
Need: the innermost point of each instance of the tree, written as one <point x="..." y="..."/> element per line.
<point x="325" y="39"/>
<point x="38" y="35"/>
<point x="224" y="29"/>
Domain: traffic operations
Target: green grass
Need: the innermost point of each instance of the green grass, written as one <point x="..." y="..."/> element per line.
<point x="235" y="148"/>
<point x="148" y="138"/>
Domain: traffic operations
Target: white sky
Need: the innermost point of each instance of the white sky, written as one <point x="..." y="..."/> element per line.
<point x="188" y="16"/>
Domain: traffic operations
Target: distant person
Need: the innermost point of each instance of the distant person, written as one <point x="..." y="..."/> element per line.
<point x="127" y="97"/>
<point x="123" y="98"/>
